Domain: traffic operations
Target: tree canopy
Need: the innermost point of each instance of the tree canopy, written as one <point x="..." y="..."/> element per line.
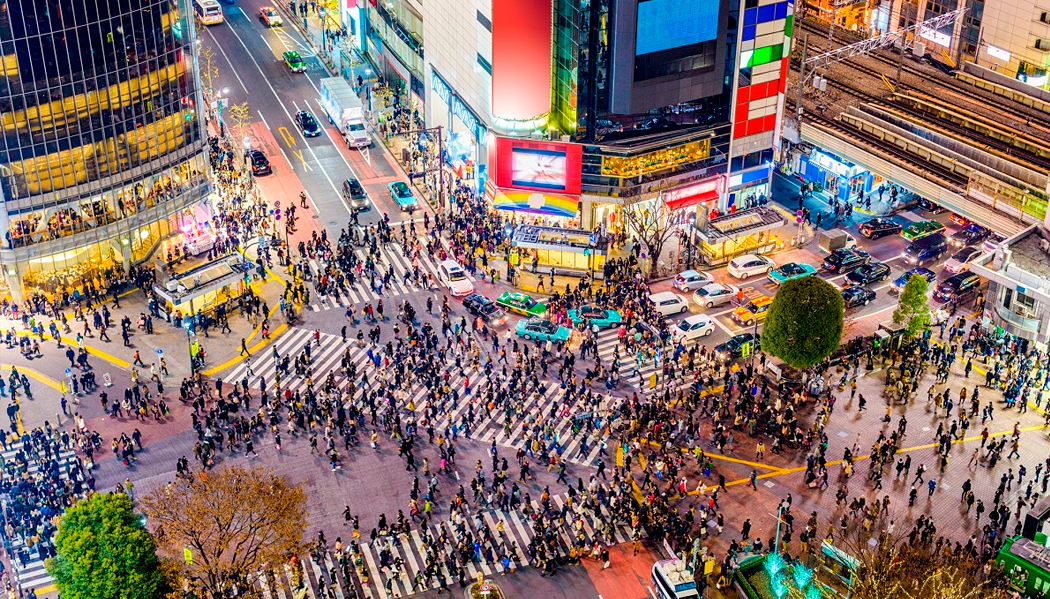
<point x="913" y="309"/>
<point x="805" y="322"/>
<point x="234" y="522"/>
<point x="103" y="551"/>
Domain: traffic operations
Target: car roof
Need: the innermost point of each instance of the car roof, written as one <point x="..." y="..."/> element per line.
<point x="663" y="295"/>
<point x="688" y="273"/>
<point x="695" y="318"/>
<point x="715" y="285"/>
<point x="450" y="264"/>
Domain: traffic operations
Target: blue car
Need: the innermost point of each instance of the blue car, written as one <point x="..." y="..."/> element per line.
<point x="594" y="316"/>
<point x="903" y="279"/>
<point x="791" y="270"/>
<point x="541" y="330"/>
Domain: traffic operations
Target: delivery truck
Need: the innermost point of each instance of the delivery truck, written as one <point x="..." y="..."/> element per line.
<point x="834" y="239"/>
<point x="344" y="109"/>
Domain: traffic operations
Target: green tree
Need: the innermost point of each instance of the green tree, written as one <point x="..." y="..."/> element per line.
<point x="913" y="310"/>
<point x="104" y="551"/>
<point x="805" y="322"/>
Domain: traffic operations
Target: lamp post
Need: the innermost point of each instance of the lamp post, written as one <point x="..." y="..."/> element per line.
<point x="220" y="102"/>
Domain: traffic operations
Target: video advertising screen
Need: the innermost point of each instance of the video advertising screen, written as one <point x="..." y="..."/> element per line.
<point x="544" y="169"/>
<point x="669" y="24"/>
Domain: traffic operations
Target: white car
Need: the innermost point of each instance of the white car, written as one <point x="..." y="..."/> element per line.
<point x="749" y="265"/>
<point x="688" y="280"/>
<point x="454" y="278"/>
<point x="668" y="303"/>
<point x="714" y="294"/>
<point x="961" y="259"/>
<point x="693" y="328"/>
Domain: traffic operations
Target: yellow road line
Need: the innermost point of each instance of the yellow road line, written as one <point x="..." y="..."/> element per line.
<point x="258" y="328"/>
<point x="234" y="361"/>
<point x="36" y="375"/>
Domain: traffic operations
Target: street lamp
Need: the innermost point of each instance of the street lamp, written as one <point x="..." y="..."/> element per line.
<point x="220" y="103"/>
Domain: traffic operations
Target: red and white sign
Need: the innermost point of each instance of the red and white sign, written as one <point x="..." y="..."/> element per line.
<point x="705" y="191"/>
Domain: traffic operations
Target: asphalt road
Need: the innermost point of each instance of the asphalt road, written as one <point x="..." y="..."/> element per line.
<point x="251" y="65"/>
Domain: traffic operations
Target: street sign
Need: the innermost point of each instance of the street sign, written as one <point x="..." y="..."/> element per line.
<point x="160" y="352"/>
<point x="652" y="381"/>
<point x="277" y="203"/>
<point x="187" y="555"/>
<point x="277" y="216"/>
<point x="69" y="373"/>
<point x="106" y="380"/>
<point x="745" y="350"/>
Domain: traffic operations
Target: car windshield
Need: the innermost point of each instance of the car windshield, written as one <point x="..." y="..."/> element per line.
<point x="456" y="275"/>
<point x="684" y="326"/>
<point x="752" y="307"/>
<point x="400" y="188"/>
<point x="355" y="127"/>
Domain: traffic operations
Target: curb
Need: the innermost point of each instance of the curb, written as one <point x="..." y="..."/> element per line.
<point x="297" y="23"/>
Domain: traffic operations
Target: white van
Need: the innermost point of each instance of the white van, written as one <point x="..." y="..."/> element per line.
<point x="668" y="303"/>
<point x="454" y="278"/>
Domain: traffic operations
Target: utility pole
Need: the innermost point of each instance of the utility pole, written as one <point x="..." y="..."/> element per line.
<point x="801" y="83"/>
<point x="900" y="60"/>
<point x="441" y="171"/>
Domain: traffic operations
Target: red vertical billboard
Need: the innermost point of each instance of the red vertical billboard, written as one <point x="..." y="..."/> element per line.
<point x="521" y="58"/>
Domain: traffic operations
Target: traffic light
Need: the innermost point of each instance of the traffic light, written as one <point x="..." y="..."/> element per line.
<point x="876" y="341"/>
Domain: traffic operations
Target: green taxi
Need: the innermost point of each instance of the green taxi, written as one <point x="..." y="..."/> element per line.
<point x="294" y="61"/>
<point x="519" y="303"/>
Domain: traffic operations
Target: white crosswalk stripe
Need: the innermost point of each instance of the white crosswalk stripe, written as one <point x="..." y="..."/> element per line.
<point x="609" y="348"/>
<point x="369" y="569"/>
<point x="362" y="290"/>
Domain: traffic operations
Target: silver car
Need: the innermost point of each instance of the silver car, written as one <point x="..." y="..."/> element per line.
<point x="714" y="294"/>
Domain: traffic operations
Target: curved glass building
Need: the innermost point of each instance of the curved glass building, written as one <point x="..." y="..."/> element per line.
<point x="102" y="146"/>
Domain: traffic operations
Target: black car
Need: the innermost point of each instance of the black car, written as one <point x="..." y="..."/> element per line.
<point x="879" y="227"/>
<point x="856" y="295"/>
<point x="929" y="206"/>
<point x="957" y="286"/>
<point x="260" y="164"/>
<point x="307" y="124"/>
<point x="869" y="273"/>
<point x="734" y="347"/>
<point x="971" y="234"/>
<point x="845" y="259"/>
<point x="479" y="305"/>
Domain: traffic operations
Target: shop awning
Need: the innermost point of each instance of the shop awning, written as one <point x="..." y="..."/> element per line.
<point x="704" y="191"/>
<point x="553" y="204"/>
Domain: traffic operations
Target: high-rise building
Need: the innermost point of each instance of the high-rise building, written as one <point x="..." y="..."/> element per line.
<point x="102" y="148"/>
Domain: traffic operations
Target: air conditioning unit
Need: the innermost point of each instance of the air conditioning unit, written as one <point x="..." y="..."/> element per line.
<point x="1044" y="245"/>
<point x="172" y="285"/>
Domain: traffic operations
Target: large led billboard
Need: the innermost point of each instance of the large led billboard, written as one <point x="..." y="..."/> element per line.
<point x="522" y="33"/>
<point x="669" y="24"/>
<point x="537" y="165"/>
<point x="537" y="168"/>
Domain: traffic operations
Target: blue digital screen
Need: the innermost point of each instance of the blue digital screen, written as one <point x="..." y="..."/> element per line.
<point x="668" y="24"/>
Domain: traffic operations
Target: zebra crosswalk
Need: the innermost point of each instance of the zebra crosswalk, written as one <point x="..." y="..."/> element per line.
<point x="28" y="561"/>
<point x="610" y="348"/>
<point x="542" y="415"/>
<point x="397" y="566"/>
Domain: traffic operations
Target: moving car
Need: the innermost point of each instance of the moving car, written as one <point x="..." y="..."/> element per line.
<point x="956" y="286"/>
<point x="294" y="61"/>
<point x="958" y="219"/>
<point x="454" y="278"/>
<point x="714" y="294"/>
<point x="270" y="17"/>
<point x="519" y="303"/>
<point x="593" y="316"/>
<point x="902" y="280"/>
<point x="993" y="241"/>
<point x="307" y="124"/>
<point x="750" y="265"/>
<point x="879" y="227"/>
<point x="929" y="206"/>
<point x="755" y="310"/>
<point x="667" y="303"/>
<point x="856" y="295"/>
<point x="260" y="164"/>
<point x="402" y="195"/>
<point x="971" y="234"/>
<point x="693" y="328"/>
<point x="869" y="273"/>
<point x="355" y="195"/>
<point x="479" y="305"/>
<point x="734" y="347"/>
<point x="541" y="330"/>
<point x="844" y="260"/>
<point x="690" y="279"/>
<point x="921" y="229"/>
<point x="926" y="249"/>
<point x="961" y="259"/>
<point x="791" y="270"/>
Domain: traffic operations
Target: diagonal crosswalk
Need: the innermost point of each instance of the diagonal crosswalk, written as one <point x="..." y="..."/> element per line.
<point x="405" y="564"/>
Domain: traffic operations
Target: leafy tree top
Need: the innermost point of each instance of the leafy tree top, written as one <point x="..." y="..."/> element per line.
<point x="913" y="308"/>
<point x="805" y="322"/>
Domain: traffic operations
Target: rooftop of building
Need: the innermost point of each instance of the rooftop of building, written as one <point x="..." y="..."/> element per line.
<point x="1028" y="253"/>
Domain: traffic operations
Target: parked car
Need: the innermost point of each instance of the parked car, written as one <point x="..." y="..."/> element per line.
<point x="992" y="243"/>
<point x="879" y="227"/>
<point x="921" y="229"/>
<point x="869" y="273"/>
<point x="961" y="259"/>
<point x="479" y="305"/>
<point x="260" y="164"/>
<point x="692" y="328"/>
<point x="307" y="124"/>
<point x="902" y="280"/>
<point x="926" y="249"/>
<point x="857" y="295"/>
<point x="402" y="196"/>
<point x="844" y="260"/>
<point x="294" y="61"/>
<point x="755" y="311"/>
<point x="791" y="270"/>
<point x="733" y="348"/>
<point x="667" y="303"/>
<point x="749" y="265"/>
<point x="593" y="316"/>
<point x="270" y="17"/>
<point x="454" y="278"/>
<point x="714" y="294"/>
<point x="929" y="206"/>
<point x="519" y="303"/>
<point x="689" y="280"/>
<point x="958" y="219"/>
<point x="971" y="234"/>
<point x="355" y="195"/>
<point x="541" y="330"/>
<point x="956" y="286"/>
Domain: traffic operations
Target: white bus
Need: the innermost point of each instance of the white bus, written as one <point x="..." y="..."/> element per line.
<point x="673" y="580"/>
<point x="208" y="11"/>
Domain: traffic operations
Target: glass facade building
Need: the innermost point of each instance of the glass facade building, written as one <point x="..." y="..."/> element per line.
<point x="102" y="147"/>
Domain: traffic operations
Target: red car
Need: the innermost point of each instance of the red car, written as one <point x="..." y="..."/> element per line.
<point x="959" y="219"/>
